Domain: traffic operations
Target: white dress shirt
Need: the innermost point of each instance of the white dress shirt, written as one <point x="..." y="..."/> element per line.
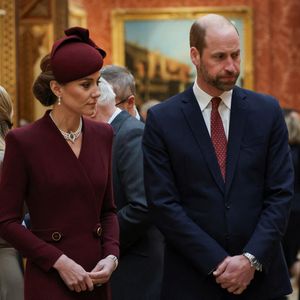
<point x="204" y="101"/>
<point x="113" y="116"/>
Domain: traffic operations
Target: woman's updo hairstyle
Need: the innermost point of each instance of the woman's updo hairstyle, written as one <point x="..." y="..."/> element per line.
<point x="41" y="87"/>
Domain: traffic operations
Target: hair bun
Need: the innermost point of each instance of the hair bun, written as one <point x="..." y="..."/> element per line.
<point x="45" y="64"/>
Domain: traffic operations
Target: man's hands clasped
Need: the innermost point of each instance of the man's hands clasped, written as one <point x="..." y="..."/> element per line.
<point x="77" y="279"/>
<point x="234" y="273"/>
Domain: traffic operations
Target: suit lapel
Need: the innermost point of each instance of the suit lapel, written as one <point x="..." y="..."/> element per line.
<point x="194" y="118"/>
<point x="238" y="117"/>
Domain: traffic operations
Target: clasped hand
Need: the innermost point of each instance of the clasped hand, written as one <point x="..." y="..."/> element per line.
<point x="77" y="279"/>
<point x="234" y="273"/>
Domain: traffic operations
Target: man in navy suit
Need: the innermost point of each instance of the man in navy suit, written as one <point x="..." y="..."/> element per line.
<point x="219" y="179"/>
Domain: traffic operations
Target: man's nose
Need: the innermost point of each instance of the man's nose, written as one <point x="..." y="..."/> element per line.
<point x="231" y="65"/>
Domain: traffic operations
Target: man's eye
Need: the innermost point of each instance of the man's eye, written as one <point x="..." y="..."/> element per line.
<point x="219" y="56"/>
<point x="235" y="55"/>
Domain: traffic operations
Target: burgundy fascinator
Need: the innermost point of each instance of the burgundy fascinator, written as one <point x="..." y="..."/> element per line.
<point x="75" y="56"/>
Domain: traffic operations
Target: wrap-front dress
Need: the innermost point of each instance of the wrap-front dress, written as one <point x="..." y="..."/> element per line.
<point x="70" y="201"/>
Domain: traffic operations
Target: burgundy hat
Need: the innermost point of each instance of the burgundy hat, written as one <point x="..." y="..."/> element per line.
<point x="75" y="56"/>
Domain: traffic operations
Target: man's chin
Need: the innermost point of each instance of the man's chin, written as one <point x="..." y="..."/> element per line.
<point x="226" y="87"/>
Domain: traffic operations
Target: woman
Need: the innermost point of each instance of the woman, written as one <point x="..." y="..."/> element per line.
<point x="60" y="165"/>
<point x="11" y="277"/>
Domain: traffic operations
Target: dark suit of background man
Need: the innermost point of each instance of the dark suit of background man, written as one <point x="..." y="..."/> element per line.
<point x="139" y="273"/>
<point x="221" y="197"/>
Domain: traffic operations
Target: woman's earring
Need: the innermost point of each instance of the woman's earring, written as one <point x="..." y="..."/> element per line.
<point x="59" y="101"/>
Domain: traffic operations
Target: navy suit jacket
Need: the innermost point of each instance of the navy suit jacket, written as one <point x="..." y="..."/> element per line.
<point x="204" y="219"/>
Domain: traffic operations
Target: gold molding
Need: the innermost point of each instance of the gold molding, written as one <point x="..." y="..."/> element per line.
<point x="120" y="16"/>
<point x="77" y="15"/>
<point x="8" y="50"/>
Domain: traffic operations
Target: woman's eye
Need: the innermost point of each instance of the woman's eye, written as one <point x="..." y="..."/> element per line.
<point x="85" y="85"/>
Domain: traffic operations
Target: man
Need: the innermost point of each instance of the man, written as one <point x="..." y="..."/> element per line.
<point x="140" y="269"/>
<point x="122" y="81"/>
<point x="222" y="206"/>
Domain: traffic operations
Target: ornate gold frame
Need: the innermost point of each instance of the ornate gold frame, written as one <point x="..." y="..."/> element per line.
<point x="120" y="16"/>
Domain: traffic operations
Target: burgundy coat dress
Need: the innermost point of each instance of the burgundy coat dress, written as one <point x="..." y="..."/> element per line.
<point x="69" y="200"/>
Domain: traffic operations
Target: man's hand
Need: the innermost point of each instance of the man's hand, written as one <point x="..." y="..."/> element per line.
<point x="234" y="274"/>
<point x="102" y="271"/>
<point x="74" y="276"/>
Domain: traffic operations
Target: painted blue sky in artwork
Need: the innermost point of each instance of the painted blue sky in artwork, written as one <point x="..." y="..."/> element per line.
<point x="169" y="37"/>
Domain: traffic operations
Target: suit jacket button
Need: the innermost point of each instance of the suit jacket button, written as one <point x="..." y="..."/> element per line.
<point x="56" y="236"/>
<point x="99" y="231"/>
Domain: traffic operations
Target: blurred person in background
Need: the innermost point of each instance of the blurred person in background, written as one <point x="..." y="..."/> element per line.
<point x="123" y="84"/>
<point x="147" y="105"/>
<point x="11" y="275"/>
<point x="291" y="239"/>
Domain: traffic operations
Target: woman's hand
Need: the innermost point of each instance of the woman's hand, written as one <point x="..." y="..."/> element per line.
<point x="103" y="270"/>
<point x="74" y="276"/>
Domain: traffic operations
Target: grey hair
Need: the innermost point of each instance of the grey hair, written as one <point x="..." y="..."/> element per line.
<point x="107" y="94"/>
<point x="292" y="120"/>
<point x="121" y="79"/>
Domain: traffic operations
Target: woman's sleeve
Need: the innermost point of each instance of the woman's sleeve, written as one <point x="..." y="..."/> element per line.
<point x="13" y="189"/>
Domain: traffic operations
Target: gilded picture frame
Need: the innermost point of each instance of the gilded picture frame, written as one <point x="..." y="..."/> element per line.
<point x="154" y="45"/>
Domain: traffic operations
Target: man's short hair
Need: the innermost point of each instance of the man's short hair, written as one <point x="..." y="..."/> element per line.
<point x="121" y="79"/>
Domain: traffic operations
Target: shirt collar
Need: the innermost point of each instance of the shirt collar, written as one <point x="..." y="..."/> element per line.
<point x="204" y="99"/>
<point x="113" y="116"/>
<point x="137" y="115"/>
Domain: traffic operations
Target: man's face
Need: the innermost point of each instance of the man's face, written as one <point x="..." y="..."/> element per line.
<point x="219" y="66"/>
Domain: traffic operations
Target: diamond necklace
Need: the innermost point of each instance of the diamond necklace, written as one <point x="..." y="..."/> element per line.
<point x="71" y="135"/>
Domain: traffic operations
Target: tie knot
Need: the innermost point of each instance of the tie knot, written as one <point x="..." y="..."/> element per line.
<point x="215" y="101"/>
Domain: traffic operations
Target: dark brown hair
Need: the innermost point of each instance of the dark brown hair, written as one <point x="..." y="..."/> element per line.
<point x="41" y="87"/>
<point x="197" y="36"/>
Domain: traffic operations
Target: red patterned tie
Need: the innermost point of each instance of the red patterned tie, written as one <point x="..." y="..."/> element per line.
<point x="218" y="136"/>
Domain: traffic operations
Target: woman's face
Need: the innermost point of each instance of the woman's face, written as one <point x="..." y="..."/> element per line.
<point x="80" y="96"/>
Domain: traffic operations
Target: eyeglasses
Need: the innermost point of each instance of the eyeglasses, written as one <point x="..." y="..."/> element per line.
<point x="122" y="101"/>
<point x="10" y="124"/>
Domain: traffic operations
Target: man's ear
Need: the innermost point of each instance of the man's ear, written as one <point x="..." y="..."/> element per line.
<point x="130" y="102"/>
<point x="195" y="56"/>
<point x="55" y="88"/>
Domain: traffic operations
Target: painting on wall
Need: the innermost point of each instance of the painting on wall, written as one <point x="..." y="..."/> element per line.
<point x="154" y="46"/>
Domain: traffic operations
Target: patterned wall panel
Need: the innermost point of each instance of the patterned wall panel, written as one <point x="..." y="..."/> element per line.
<point x="8" y="49"/>
<point x="40" y="22"/>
